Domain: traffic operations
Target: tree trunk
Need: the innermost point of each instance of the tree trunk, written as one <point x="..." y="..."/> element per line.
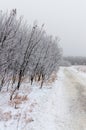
<point x="39" y="78"/>
<point x="31" y="80"/>
<point x="2" y="83"/>
<point x="19" y="81"/>
<point x="13" y="80"/>
<point x="42" y="84"/>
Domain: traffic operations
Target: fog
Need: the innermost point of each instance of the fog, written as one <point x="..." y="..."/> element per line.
<point x="63" y="18"/>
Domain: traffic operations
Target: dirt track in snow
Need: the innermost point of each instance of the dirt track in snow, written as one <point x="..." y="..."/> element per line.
<point x="76" y="89"/>
<point x="64" y="107"/>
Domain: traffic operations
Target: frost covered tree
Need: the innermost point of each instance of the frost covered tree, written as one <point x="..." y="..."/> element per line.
<point x="8" y="31"/>
<point x="46" y="59"/>
<point x="77" y="60"/>
<point x="26" y="50"/>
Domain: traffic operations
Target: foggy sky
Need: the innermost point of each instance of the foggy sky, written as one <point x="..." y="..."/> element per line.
<point x="63" y="18"/>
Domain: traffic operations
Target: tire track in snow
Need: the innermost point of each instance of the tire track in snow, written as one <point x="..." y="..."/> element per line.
<point x="75" y="85"/>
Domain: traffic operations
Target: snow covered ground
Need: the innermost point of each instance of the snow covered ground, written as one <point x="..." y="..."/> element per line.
<point x="60" y="106"/>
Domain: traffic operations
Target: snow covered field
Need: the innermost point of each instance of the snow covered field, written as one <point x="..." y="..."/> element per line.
<point x="60" y="106"/>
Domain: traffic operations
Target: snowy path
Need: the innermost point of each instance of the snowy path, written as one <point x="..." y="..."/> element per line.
<point x="76" y="87"/>
<point x="62" y="107"/>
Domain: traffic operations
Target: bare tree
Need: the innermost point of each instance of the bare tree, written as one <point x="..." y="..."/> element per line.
<point x="26" y="50"/>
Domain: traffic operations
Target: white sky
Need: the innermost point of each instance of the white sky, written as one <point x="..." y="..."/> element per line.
<point x="63" y="18"/>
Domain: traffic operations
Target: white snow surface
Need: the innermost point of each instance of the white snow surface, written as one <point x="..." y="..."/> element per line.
<point x="59" y="106"/>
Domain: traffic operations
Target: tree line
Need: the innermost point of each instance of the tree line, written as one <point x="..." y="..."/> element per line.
<point x="75" y="60"/>
<point x="26" y="50"/>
